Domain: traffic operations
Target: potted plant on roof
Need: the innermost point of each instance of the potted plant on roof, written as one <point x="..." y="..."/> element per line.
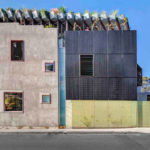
<point x="62" y="13"/>
<point x="36" y="16"/>
<point x="70" y="17"/>
<point x="78" y="18"/>
<point x="112" y="18"/>
<point x="87" y="18"/>
<point x="104" y="18"/>
<point x="44" y="15"/>
<point x="10" y="13"/>
<point x="27" y="14"/>
<point x="3" y="17"/>
<point x="18" y="15"/>
<point x="94" y="15"/>
<point x="53" y="14"/>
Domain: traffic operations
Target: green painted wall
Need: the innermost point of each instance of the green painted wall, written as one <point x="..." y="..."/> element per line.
<point x="109" y="114"/>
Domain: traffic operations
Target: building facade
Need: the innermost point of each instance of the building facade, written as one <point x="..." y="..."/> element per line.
<point x="28" y="76"/>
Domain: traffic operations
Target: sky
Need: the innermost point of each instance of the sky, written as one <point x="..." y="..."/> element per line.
<point x="137" y="11"/>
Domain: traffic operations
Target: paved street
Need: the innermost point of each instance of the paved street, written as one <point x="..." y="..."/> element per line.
<point x="74" y="141"/>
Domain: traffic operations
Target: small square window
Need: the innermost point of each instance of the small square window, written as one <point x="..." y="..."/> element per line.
<point x="17" y="50"/>
<point x="49" y="67"/>
<point x="46" y="99"/>
<point x="13" y="101"/>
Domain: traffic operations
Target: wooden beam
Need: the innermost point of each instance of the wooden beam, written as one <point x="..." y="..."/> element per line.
<point x="118" y="24"/>
<point x="102" y="24"/>
<point x="110" y="24"/>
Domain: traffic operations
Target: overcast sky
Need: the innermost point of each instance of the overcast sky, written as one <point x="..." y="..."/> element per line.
<point x="137" y="11"/>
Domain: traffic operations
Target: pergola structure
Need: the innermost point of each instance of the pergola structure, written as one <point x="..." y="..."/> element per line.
<point x="66" y="21"/>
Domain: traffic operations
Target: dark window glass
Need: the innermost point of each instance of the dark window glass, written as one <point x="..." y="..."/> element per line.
<point x="86" y="65"/>
<point x="148" y="97"/>
<point x="49" y="67"/>
<point x="46" y="99"/>
<point x="17" y="52"/>
<point x="13" y="101"/>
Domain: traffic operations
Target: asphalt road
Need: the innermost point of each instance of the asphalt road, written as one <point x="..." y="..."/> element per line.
<point x="75" y="142"/>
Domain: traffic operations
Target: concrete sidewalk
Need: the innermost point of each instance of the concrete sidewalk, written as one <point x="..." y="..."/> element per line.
<point x="73" y="131"/>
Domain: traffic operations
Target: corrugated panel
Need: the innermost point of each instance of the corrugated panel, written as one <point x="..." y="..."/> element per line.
<point x="129" y="43"/>
<point x="129" y="90"/>
<point x="85" y="42"/>
<point x="100" y="42"/>
<point x="100" y="88"/>
<point x="115" y="64"/>
<point x="71" y="42"/>
<point x="129" y="65"/>
<point x="100" y="65"/>
<point x="86" y="88"/>
<point x="72" y="66"/>
<point x="114" y="85"/>
<point x="72" y="87"/>
<point x="132" y="88"/>
<point x="114" y="42"/>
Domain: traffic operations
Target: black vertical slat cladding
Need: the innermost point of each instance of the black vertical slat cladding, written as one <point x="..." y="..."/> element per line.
<point x="72" y="88"/>
<point x="86" y="88"/>
<point x="115" y="62"/>
<point x="129" y="65"/>
<point x="129" y="42"/>
<point x="99" y="88"/>
<point x="114" y="42"/>
<point x="100" y="42"/>
<point x="85" y="42"/>
<point x="115" y="67"/>
<point x="100" y="65"/>
<point x="72" y="66"/>
<point x="115" y="87"/>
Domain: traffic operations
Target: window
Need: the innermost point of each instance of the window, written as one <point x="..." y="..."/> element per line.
<point x="13" y="101"/>
<point x="17" y="50"/>
<point x="49" y="67"/>
<point x="86" y="65"/>
<point x="148" y="97"/>
<point x="46" y="99"/>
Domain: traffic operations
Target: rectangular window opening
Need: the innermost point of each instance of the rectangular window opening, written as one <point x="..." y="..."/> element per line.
<point x="148" y="97"/>
<point x="86" y="65"/>
<point x="46" y="99"/>
<point x="17" y="50"/>
<point x="13" y="101"/>
<point x="50" y="67"/>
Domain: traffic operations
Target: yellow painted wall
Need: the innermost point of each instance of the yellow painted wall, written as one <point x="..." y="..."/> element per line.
<point x="109" y="114"/>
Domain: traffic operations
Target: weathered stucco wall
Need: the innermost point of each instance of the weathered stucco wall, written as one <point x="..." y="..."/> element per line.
<point x="28" y="76"/>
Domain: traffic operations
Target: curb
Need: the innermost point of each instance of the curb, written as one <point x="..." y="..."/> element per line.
<point x="70" y="132"/>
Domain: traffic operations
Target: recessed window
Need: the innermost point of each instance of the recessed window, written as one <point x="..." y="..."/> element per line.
<point x="148" y="97"/>
<point x="86" y="65"/>
<point x="46" y="99"/>
<point x="17" y="50"/>
<point x="49" y="67"/>
<point x="13" y="101"/>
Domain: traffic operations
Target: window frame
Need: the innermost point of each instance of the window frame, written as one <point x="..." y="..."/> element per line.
<point x="80" y="65"/>
<point x="49" y="97"/>
<point x="4" y="109"/>
<point x="50" y="63"/>
<point x="148" y="97"/>
<point x="20" y="41"/>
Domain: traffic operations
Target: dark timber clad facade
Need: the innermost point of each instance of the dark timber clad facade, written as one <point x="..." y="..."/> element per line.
<point x="114" y="65"/>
